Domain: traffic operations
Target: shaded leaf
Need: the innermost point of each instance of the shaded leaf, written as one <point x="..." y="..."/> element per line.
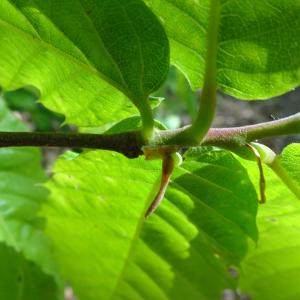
<point x="225" y="201"/>
<point x="21" y="279"/>
<point x="21" y="194"/>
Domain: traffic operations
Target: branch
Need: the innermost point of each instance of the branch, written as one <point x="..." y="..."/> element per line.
<point x="242" y="135"/>
<point x="131" y="143"/>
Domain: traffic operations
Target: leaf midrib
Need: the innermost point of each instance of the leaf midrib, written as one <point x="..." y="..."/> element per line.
<point x="139" y="47"/>
<point x="106" y="50"/>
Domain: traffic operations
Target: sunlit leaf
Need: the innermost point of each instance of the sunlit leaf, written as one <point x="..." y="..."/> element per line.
<point x="272" y="269"/>
<point x="96" y="218"/>
<point x="84" y="57"/>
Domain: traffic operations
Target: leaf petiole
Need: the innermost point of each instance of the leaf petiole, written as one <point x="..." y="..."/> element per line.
<point x="205" y="116"/>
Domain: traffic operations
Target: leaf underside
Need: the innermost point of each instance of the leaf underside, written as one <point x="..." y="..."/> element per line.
<point x="259" y="45"/>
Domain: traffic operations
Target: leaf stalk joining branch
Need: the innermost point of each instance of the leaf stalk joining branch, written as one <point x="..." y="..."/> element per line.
<point x="131" y="143"/>
<point x="206" y="113"/>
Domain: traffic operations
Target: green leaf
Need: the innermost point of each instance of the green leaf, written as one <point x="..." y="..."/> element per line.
<point x="21" y="194"/>
<point x="131" y="124"/>
<point x="85" y="57"/>
<point x="290" y="159"/>
<point x="21" y="279"/>
<point x="258" y="44"/>
<point x="271" y="269"/>
<point x="96" y="218"/>
<point x="225" y="202"/>
<point x="40" y="118"/>
<point x="95" y="212"/>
